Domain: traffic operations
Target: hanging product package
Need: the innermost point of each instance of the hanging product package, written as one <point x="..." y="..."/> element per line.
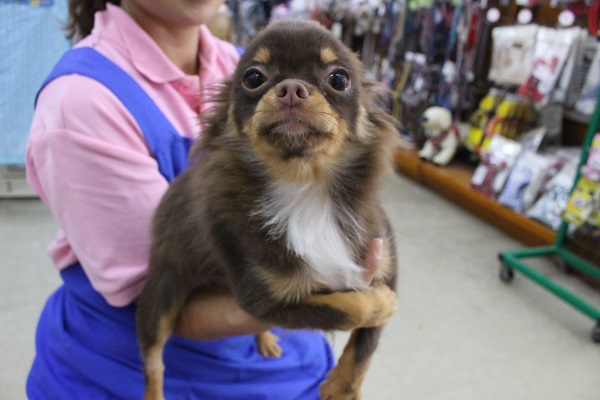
<point x="569" y="80"/>
<point x="512" y="54"/>
<point x="552" y="49"/>
<point x="591" y="87"/>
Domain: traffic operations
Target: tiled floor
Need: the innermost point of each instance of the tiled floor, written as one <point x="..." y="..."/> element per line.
<point x="459" y="333"/>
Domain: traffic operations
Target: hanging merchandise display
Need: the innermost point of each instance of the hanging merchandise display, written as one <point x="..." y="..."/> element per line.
<point x="552" y="49"/>
<point x="507" y="115"/>
<point x="512" y="54"/>
<point x="591" y="88"/>
<point x="569" y="82"/>
<point x="480" y="119"/>
<point x="414" y="97"/>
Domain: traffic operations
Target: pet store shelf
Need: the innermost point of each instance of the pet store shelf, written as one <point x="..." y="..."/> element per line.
<point x="453" y="182"/>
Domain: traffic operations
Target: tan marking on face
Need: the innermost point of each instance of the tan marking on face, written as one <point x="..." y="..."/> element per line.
<point x="325" y="155"/>
<point x="262" y="56"/>
<point x="328" y="56"/>
<point x="364" y="131"/>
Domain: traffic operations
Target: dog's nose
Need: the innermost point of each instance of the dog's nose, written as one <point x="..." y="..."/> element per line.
<point x="292" y="93"/>
<point x="424" y="118"/>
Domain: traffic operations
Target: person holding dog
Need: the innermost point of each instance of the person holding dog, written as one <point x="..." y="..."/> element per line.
<point x="112" y="127"/>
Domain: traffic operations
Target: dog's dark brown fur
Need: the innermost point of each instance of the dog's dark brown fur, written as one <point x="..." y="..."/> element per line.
<point x="296" y="115"/>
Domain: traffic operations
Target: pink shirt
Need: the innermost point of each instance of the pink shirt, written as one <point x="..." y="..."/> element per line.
<point x="88" y="160"/>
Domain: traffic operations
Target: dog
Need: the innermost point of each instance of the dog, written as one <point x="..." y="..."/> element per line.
<point x="280" y="203"/>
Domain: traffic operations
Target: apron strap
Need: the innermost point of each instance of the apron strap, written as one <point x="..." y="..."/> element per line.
<point x="169" y="148"/>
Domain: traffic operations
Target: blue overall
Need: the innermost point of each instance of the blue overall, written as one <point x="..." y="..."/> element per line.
<point x="87" y="349"/>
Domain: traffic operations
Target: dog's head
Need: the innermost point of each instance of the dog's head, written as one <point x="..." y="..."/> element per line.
<point x="298" y="96"/>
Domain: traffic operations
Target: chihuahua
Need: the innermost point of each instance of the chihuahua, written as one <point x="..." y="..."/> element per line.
<point x="280" y="204"/>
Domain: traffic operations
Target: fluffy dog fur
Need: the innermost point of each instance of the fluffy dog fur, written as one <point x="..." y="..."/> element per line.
<point x="280" y="205"/>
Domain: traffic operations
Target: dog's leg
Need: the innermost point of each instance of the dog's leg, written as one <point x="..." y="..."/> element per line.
<point x="336" y="311"/>
<point x="345" y="379"/>
<point x="157" y="312"/>
<point x="267" y="344"/>
<point x="152" y="343"/>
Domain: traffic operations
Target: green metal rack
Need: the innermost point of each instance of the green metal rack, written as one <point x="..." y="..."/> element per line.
<point x="560" y="250"/>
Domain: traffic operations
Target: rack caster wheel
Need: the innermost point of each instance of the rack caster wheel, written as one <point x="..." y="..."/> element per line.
<point x="564" y="266"/>
<point x="507" y="274"/>
<point x="596" y="333"/>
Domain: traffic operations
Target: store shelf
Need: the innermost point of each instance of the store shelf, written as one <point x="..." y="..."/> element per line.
<point x="453" y="182"/>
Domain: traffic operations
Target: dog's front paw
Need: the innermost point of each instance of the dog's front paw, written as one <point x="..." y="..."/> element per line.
<point x="338" y="386"/>
<point x="383" y="305"/>
<point x="267" y="345"/>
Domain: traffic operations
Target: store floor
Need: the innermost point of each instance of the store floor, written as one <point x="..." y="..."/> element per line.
<point x="459" y="332"/>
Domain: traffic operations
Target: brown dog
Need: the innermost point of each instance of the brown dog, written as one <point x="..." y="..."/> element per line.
<point x="281" y="205"/>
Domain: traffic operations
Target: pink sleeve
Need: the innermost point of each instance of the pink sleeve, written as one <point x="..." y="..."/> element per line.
<point x="88" y="161"/>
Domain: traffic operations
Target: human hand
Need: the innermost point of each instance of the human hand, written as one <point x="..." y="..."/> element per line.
<point x="211" y="315"/>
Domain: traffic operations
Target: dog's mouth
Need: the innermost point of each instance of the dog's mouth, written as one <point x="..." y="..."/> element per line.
<point x="294" y="136"/>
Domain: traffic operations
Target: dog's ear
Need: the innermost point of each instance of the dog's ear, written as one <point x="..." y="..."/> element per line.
<point x="374" y="95"/>
<point x="214" y="119"/>
<point x="382" y="128"/>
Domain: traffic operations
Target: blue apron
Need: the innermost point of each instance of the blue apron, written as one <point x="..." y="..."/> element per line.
<point x="87" y="349"/>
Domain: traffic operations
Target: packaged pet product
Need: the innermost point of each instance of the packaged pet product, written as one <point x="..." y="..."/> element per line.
<point x="533" y="139"/>
<point x="551" y="118"/>
<point x="492" y="172"/>
<point x="525" y="181"/>
<point x="569" y="77"/>
<point x="481" y="117"/>
<point x="549" y="207"/>
<point x="589" y="50"/>
<point x="583" y="206"/>
<point x="551" y="52"/>
<point x="591" y="169"/>
<point x="512" y="53"/>
<point x="591" y="87"/>
<point x="583" y="201"/>
<point x="514" y="116"/>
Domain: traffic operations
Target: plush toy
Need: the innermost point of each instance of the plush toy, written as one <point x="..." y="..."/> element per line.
<point x="442" y="136"/>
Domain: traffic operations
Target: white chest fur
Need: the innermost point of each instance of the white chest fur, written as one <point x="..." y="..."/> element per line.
<point x="306" y="216"/>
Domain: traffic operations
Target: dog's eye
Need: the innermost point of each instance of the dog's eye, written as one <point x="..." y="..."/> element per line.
<point x="339" y="80"/>
<point x="253" y="79"/>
